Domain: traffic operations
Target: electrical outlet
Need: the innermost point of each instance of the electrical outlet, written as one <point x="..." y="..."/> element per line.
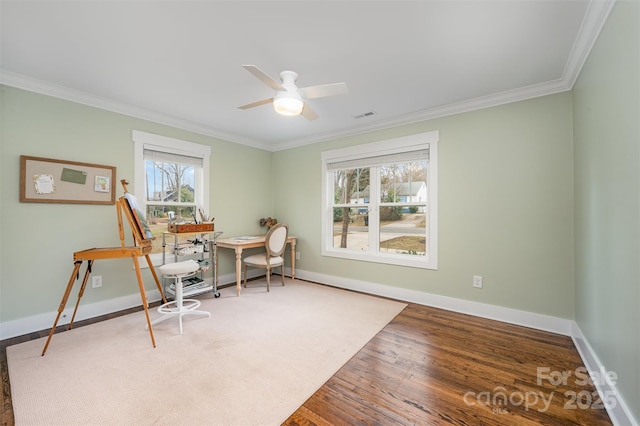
<point x="96" y="281"/>
<point x="477" y="281"/>
<point x="297" y="255"/>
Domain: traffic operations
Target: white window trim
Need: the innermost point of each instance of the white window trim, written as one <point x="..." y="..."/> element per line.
<point x="416" y="142"/>
<point x="144" y="140"/>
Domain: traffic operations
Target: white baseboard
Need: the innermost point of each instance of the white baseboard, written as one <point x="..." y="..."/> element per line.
<point x="484" y="310"/>
<point x="44" y="321"/>
<point x="615" y="404"/>
<point x="39" y="322"/>
<point x="618" y="412"/>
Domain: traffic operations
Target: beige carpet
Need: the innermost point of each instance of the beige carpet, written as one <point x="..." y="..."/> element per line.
<point x="254" y="362"/>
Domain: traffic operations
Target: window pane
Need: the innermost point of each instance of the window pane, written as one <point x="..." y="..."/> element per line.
<point x="380" y="201"/>
<point x="172" y="182"/>
<point x="172" y="175"/>
<point x="169" y="182"/>
<point x="158" y="218"/>
<point x="161" y="213"/>
<point x="351" y="186"/>
<point x="403" y="230"/>
<point x="351" y="228"/>
<point x="403" y="182"/>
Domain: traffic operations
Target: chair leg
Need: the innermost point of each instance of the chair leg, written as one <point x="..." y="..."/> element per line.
<point x="268" y="278"/>
<point x="180" y="306"/>
<point x="282" y="274"/>
<point x="245" y="276"/>
<point x="179" y="299"/>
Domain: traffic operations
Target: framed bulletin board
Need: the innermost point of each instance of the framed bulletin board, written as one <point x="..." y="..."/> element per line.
<point x="45" y="180"/>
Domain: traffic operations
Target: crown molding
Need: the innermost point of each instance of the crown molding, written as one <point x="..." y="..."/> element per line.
<point x="19" y="81"/>
<point x="592" y="23"/>
<point x="474" y="104"/>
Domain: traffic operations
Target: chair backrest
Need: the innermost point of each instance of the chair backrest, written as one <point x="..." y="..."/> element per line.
<point x="276" y="239"/>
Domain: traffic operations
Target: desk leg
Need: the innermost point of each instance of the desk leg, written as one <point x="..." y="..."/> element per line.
<point x="238" y="269"/>
<point x="293" y="260"/>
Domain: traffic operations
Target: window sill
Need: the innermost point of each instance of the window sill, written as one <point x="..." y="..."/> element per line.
<point x="421" y="262"/>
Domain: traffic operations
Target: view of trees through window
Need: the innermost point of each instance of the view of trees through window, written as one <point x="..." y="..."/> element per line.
<point x="394" y="195"/>
<point x="171" y="178"/>
<point x="170" y="187"/>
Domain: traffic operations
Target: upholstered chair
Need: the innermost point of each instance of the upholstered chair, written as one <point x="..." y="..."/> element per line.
<point x="275" y="243"/>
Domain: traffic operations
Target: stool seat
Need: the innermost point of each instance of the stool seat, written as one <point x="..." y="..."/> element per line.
<point x="180" y="268"/>
<point x="179" y="306"/>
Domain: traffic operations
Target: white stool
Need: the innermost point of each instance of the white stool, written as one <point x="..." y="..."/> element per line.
<point x="178" y="306"/>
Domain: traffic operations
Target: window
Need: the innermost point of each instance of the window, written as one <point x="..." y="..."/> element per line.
<point x="171" y="178"/>
<point x="380" y="201"/>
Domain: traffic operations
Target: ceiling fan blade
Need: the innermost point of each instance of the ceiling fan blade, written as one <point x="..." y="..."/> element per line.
<point x="324" y="90"/>
<point x="263" y="77"/>
<point x="257" y="103"/>
<point x="309" y="113"/>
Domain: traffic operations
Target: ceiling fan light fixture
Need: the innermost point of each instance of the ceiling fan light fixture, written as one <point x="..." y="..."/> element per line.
<point x="288" y="104"/>
<point x="288" y="99"/>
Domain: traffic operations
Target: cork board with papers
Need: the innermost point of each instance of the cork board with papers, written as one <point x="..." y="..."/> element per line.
<point x="47" y="180"/>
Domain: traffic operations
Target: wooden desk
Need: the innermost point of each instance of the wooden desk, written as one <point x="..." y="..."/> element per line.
<point x="241" y="243"/>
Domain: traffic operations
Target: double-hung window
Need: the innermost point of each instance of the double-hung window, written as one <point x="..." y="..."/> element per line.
<point x="380" y="201"/>
<point x="171" y="180"/>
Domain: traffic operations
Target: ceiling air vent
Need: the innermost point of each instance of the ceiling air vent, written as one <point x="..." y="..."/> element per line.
<point x="366" y="114"/>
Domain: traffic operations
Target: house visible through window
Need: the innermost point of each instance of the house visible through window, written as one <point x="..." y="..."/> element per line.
<point x="171" y="177"/>
<point x="380" y="201"/>
<point x="170" y="185"/>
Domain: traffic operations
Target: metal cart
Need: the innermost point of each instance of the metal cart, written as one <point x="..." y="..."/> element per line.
<point x="214" y="259"/>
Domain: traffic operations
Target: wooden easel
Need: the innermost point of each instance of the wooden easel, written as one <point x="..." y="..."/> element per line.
<point x="142" y="247"/>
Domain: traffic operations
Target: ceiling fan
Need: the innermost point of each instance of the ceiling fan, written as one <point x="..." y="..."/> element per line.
<point x="289" y="99"/>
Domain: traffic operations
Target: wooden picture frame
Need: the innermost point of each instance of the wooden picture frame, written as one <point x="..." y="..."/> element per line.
<point x="47" y="180"/>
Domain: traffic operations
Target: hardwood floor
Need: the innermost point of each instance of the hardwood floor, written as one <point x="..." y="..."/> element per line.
<point x="429" y="367"/>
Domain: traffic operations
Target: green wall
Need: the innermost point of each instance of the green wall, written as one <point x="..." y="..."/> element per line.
<point x="607" y="197"/>
<point x="505" y="207"/>
<point x="540" y="197"/>
<point x="37" y="240"/>
<point x="505" y="203"/>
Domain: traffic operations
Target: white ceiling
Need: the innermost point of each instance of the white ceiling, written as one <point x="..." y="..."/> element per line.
<point x="179" y="62"/>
